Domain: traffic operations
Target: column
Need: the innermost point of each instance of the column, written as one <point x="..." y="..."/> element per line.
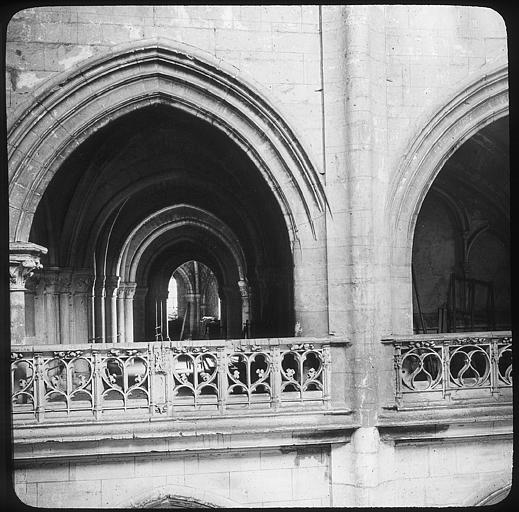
<point x="65" y="306"/>
<point x="24" y="258"/>
<point x="129" y="293"/>
<point x="50" y="279"/>
<point x="196" y="316"/>
<point x="99" y="309"/>
<point x="223" y="312"/>
<point x="164" y="327"/>
<point x="121" y="331"/>
<point x="189" y="329"/>
<point x="30" y="310"/>
<point x="81" y="288"/>
<point x="245" y="307"/>
<point x="233" y="311"/>
<point x="111" y="285"/>
<point x="139" y="313"/>
<point x="368" y="292"/>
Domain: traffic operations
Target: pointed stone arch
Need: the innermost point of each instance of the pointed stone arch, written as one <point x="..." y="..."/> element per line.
<point x="478" y="102"/>
<point x="76" y="104"/>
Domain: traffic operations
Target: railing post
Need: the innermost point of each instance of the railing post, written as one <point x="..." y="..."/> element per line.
<point x="39" y="387"/>
<point x="276" y="377"/>
<point x="97" y="384"/>
<point x="169" y="381"/>
<point x="494" y="361"/>
<point x="159" y="365"/>
<point x="221" y="362"/>
<point x="446" y="375"/>
<point x="397" y="364"/>
<point x="327" y="375"/>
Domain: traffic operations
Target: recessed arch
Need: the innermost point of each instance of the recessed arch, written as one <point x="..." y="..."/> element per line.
<point x="473" y="106"/>
<point x="166" y="220"/>
<point x="77" y="104"/>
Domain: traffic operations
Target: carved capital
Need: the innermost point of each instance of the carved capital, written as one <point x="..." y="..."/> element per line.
<point x="24" y="259"/>
<point x="128" y="290"/>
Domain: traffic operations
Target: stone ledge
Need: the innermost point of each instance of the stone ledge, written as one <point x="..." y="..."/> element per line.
<point x="167" y="435"/>
<point x="443" y="423"/>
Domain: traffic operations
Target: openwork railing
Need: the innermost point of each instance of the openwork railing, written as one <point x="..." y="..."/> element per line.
<point x="452" y="366"/>
<point x="100" y="381"/>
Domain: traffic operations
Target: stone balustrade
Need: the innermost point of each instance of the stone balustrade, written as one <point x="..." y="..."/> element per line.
<point x="97" y="381"/>
<point x="438" y="369"/>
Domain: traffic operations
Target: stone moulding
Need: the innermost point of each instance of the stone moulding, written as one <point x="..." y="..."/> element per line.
<point x="76" y="103"/>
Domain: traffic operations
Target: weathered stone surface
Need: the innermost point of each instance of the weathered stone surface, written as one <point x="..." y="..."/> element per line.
<point x="342" y="104"/>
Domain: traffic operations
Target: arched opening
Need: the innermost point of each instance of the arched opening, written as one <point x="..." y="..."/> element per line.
<point x="466" y="110"/>
<point x="133" y="206"/>
<point x="207" y="136"/>
<point x="461" y="246"/>
<point x="194" y="302"/>
<point x="172" y="299"/>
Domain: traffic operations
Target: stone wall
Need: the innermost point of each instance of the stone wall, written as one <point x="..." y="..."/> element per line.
<point x="421" y="52"/>
<point x="442" y="473"/>
<point x="446" y="472"/>
<point x="263" y="478"/>
<point x="356" y="84"/>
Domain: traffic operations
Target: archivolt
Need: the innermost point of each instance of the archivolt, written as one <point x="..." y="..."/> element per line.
<point x="166" y="220"/>
<point x="63" y="115"/>
<point x="475" y="105"/>
<point x="183" y="496"/>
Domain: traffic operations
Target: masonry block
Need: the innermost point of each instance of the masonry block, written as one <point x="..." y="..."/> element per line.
<point x="265" y="485"/>
<point x="62" y="494"/>
<point x="120" y="490"/>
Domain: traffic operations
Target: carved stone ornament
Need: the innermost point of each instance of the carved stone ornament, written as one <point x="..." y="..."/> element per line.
<point x="129" y="290"/>
<point x="160" y="359"/>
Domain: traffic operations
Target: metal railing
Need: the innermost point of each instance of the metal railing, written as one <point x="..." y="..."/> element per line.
<point x="440" y="367"/>
<point x="167" y="378"/>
